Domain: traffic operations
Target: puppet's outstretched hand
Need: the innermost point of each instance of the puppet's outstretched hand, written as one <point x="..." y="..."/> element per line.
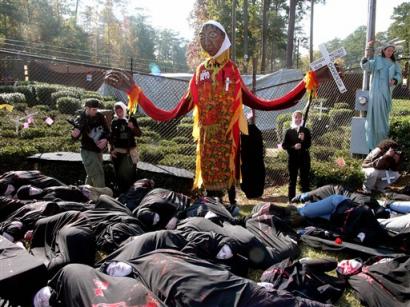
<point x="120" y="80"/>
<point x="324" y="74"/>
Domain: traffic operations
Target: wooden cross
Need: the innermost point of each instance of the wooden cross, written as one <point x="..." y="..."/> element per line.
<point x="321" y="108"/>
<point x="388" y="178"/>
<point x="328" y="60"/>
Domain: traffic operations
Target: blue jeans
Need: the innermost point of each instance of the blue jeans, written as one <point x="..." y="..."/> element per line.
<point x="322" y="208"/>
<point x="400" y="206"/>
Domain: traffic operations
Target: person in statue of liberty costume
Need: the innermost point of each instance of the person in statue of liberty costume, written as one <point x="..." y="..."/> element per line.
<point x="385" y="74"/>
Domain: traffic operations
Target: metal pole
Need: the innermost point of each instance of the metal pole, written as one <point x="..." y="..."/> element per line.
<point x="370" y="36"/>
<point x="234" y="30"/>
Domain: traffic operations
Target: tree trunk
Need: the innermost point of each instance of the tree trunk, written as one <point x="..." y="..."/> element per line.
<point x="291" y="32"/>
<point x="264" y="34"/>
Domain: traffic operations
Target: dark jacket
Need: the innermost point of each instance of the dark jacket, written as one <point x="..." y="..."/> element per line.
<point x="292" y="138"/>
<point x="92" y="129"/>
<point x="121" y="135"/>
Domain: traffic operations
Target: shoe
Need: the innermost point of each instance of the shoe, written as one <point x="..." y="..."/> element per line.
<point x="233" y="209"/>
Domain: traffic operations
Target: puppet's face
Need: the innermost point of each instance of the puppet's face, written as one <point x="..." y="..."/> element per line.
<point x="211" y="39"/>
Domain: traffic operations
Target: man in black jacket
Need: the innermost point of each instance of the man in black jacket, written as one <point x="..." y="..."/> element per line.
<point x="93" y="128"/>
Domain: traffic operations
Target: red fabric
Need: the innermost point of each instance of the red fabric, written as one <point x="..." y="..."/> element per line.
<point x="280" y="103"/>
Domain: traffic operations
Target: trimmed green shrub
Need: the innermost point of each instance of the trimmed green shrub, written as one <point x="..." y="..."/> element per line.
<point x="151" y="134"/>
<point x="29" y="92"/>
<point x="181" y="140"/>
<point x="399" y="131"/>
<point x="186" y="149"/>
<point x="281" y="119"/>
<point x="108" y="98"/>
<point x="318" y="125"/>
<point x="180" y="161"/>
<point x="336" y="139"/>
<point x="276" y="171"/>
<point x="7" y="89"/>
<point x="184" y="129"/>
<point x="41" y="108"/>
<point x="150" y="153"/>
<point x="44" y="92"/>
<point x="340" y="117"/>
<point x="187" y="120"/>
<point x="322" y="153"/>
<point x="12" y="98"/>
<point x="341" y="105"/>
<point x="32" y="133"/>
<point x="147" y="122"/>
<point x="64" y="93"/>
<point x="68" y="105"/>
<point x="21" y="107"/>
<point x="90" y="94"/>
<point x="108" y="104"/>
<point x="350" y="176"/>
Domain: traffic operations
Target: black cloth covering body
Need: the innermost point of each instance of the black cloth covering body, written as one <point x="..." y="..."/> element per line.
<point x="78" y="285"/>
<point x="179" y="279"/>
<point x="306" y="278"/>
<point x="384" y="283"/>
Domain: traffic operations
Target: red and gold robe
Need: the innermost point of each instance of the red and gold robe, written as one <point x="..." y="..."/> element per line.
<point x="217" y="94"/>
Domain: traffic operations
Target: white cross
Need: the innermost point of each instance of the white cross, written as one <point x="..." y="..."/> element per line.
<point x="328" y="60"/>
<point x="388" y="178"/>
<point x="321" y="108"/>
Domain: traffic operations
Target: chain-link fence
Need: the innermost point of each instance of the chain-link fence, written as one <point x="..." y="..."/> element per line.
<point x="46" y="93"/>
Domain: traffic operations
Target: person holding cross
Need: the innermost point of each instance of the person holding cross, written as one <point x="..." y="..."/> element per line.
<point x="381" y="166"/>
<point x="216" y="94"/>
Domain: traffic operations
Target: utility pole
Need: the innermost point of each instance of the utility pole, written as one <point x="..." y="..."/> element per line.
<point x="312" y="5"/>
<point x="370" y="36"/>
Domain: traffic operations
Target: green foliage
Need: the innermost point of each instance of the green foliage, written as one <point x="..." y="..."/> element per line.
<point x="321" y="153"/>
<point x="187" y="120"/>
<point x="400" y="108"/>
<point x="90" y="94"/>
<point x="7" y="89"/>
<point x="65" y="93"/>
<point x="154" y="136"/>
<point x="184" y="129"/>
<point x="29" y="92"/>
<point x="350" y="176"/>
<point x="32" y="133"/>
<point x="151" y="153"/>
<point x="186" y="149"/>
<point x="281" y="119"/>
<point x="12" y="98"/>
<point x="16" y="153"/>
<point x="108" y="104"/>
<point x="21" y="107"/>
<point x="44" y="92"/>
<point x="341" y="105"/>
<point x="178" y="160"/>
<point x="181" y="140"/>
<point x="108" y="98"/>
<point x="318" y="125"/>
<point x="276" y="171"/>
<point x="68" y="105"/>
<point x="340" y="117"/>
<point x="399" y="131"/>
<point x="335" y="139"/>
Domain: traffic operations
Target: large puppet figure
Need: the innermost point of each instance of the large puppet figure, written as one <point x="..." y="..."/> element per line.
<point x="216" y="94"/>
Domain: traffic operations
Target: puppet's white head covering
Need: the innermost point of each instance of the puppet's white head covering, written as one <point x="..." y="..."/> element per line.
<point x="122" y="106"/>
<point x="293" y="124"/>
<point x="226" y="43"/>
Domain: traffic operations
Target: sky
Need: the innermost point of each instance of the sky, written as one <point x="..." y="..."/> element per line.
<point x="335" y="19"/>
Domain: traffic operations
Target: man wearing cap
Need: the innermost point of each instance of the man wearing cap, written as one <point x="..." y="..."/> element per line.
<point x="123" y="147"/>
<point x="216" y="94"/>
<point x="385" y="74"/>
<point x="93" y="129"/>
